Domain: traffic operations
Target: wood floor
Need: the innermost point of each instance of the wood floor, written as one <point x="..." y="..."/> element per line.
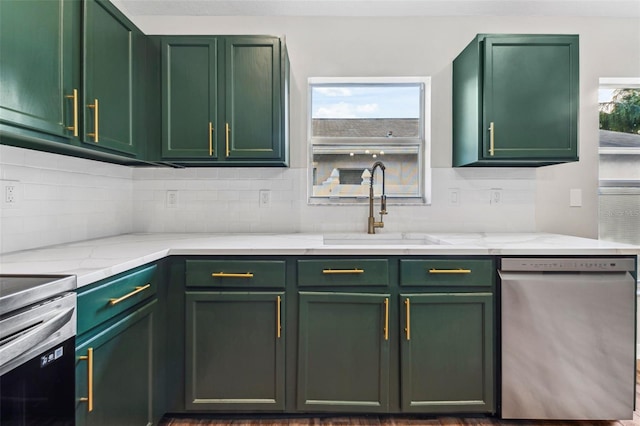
<point x="391" y="421"/>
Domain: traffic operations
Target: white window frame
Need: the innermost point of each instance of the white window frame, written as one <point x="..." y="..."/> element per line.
<point x="423" y="142"/>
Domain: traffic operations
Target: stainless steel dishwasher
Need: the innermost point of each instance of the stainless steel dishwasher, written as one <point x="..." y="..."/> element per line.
<point x="568" y="338"/>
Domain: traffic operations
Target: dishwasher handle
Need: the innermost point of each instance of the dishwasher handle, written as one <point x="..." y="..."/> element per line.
<point x="34" y="337"/>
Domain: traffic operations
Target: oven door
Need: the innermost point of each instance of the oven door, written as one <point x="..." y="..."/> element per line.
<point x="37" y="354"/>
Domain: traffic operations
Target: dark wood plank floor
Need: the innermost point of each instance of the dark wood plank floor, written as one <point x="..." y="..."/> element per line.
<point x="390" y="420"/>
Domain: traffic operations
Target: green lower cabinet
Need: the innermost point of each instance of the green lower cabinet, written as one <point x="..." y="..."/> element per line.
<point x="235" y="351"/>
<point x="447" y="353"/>
<point x="114" y="369"/>
<point x="343" y="352"/>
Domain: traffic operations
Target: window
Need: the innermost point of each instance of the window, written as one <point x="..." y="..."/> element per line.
<point x="354" y="122"/>
<point x="619" y="149"/>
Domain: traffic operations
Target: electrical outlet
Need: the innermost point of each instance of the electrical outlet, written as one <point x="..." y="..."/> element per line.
<point x="495" y="196"/>
<point x="265" y="198"/>
<point x="172" y="199"/>
<point x="454" y="197"/>
<point x="10" y="191"/>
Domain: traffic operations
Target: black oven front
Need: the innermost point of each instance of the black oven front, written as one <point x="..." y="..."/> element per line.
<point x="37" y="360"/>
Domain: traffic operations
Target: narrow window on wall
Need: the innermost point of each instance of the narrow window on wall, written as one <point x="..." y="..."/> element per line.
<point x="354" y="122"/>
<point x="619" y="152"/>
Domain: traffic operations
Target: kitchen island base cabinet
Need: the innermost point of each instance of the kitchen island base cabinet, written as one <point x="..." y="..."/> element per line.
<point x="447" y="353"/>
<point x="114" y="372"/>
<point x="343" y="352"/>
<point x="235" y="351"/>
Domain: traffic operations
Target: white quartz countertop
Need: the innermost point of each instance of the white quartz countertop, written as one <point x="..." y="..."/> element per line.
<point x="94" y="260"/>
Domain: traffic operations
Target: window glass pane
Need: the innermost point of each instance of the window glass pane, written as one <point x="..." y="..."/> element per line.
<point x="365" y="110"/>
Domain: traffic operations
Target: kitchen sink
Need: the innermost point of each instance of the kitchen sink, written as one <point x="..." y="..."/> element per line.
<point x="413" y="239"/>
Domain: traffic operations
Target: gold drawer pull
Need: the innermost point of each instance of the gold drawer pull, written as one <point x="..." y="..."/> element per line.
<point x="386" y="318"/>
<point x="229" y="275"/>
<point x="89" y="399"/>
<point x="278" y="318"/>
<point x="227" y="130"/>
<point x="492" y="132"/>
<point x="407" y="304"/>
<point x="210" y="139"/>
<point x="343" y="271"/>
<point x="74" y="127"/>
<point x="128" y="295"/>
<point x="96" y="116"/>
<point x="450" y="271"/>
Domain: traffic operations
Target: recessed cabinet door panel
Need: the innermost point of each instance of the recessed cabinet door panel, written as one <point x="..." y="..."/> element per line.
<point x="447" y="353"/>
<point x="530" y="97"/>
<point x="235" y="351"/>
<point x="109" y="71"/>
<point x="253" y="98"/>
<point x="122" y="364"/>
<point x="36" y="47"/>
<point x="189" y="78"/>
<point x="343" y="354"/>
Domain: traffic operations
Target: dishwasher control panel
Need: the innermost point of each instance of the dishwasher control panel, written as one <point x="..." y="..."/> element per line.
<point x="566" y="264"/>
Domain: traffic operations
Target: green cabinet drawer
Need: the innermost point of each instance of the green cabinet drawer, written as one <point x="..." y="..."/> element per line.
<point x="110" y="297"/>
<point x="343" y="272"/>
<point x="447" y="272"/>
<point x="235" y="273"/>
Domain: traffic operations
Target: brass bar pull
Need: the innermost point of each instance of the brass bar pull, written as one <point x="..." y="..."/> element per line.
<point x="407" y="329"/>
<point x="96" y="116"/>
<point x="128" y="295"/>
<point x="343" y="271"/>
<point x="386" y="318"/>
<point x="450" y="271"/>
<point x="492" y="132"/>
<point x="227" y="130"/>
<point x="89" y="399"/>
<point x="210" y="139"/>
<point x="279" y="320"/>
<point x="74" y="127"/>
<point x="229" y="275"/>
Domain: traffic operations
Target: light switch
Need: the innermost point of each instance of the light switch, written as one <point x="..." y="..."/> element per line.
<point x="575" y="197"/>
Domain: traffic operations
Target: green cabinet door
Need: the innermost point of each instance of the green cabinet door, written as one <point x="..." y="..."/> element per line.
<point x="189" y="98"/>
<point x="119" y="371"/>
<point x="252" y="98"/>
<point x="235" y="351"/>
<point x="111" y="43"/>
<point x="39" y="47"/>
<point x="447" y="353"/>
<point x="515" y="101"/>
<point x="343" y="352"/>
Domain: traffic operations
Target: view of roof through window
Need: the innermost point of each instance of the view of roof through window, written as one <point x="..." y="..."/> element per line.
<point x="367" y="110"/>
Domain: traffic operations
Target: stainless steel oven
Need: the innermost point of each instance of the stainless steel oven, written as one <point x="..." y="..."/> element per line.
<point x="37" y="350"/>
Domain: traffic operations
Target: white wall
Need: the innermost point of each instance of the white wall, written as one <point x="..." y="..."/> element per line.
<point x="226" y="200"/>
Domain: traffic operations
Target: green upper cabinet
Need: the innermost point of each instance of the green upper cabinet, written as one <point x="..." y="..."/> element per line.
<point x="39" y="65"/>
<point x="111" y="97"/>
<point x="224" y="100"/>
<point x="515" y="101"/>
<point x="190" y="97"/>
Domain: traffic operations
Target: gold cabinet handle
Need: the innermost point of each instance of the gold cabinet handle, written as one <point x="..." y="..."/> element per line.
<point x="74" y="127"/>
<point x="89" y="399"/>
<point x="386" y="318"/>
<point x="230" y="275"/>
<point x="278" y="318"/>
<point x="343" y="271"/>
<point x="450" y="271"/>
<point x="128" y="295"/>
<point x="96" y="116"/>
<point x="227" y="130"/>
<point x="210" y="139"/>
<point x="492" y="132"/>
<point x="407" y="305"/>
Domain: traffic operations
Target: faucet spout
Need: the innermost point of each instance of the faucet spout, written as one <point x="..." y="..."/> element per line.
<point x="372" y="224"/>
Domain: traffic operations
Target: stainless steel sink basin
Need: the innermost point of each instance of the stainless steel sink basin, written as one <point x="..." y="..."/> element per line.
<point x="381" y="239"/>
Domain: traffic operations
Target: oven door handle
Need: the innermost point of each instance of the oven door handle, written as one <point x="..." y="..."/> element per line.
<point x="34" y="337"/>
